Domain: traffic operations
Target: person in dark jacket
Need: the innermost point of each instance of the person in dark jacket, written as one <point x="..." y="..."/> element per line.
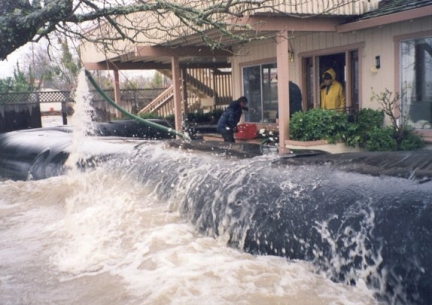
<point x="295" y="100"/>
<point x="227" y="124"/>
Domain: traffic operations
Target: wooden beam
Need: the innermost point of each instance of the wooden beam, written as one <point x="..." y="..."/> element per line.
<point x="125" y="66"/>
<point x="140" y="65"/>
<point x="203" y="51"/>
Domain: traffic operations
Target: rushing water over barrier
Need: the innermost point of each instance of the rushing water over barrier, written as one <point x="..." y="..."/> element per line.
<point x="148" y="222"/>
<point x="159" y="225"/>
<point x="353" y="227"/>
<point x="104" y="237"/>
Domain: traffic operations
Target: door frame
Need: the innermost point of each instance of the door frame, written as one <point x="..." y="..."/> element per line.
<point x="315" y="55"/>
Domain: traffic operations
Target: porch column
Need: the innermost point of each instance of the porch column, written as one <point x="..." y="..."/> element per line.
<point x="184" y="93"/>
<point x="282" y="61"/>
<point x="175" y="67"/>
<point x="117" y="95"/>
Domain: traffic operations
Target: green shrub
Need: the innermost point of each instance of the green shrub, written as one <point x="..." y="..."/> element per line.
<point x="149" y="115"/>
<point x="386" y="139"/>
<point x="319" y="124"/>
<point x="410" y="140"/>
<point x="381" y="139"/>
<point x="366" y="120"/>
<point x="170" y="118"/>
<point x="404" y="136"/>
<point x="366" y="130"/>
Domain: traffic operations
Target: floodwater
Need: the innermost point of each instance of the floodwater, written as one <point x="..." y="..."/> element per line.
<point x="103" y="238"/>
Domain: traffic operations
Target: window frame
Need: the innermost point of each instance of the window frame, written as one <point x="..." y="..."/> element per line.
<point x="315" y="55"/>
<point x="259" y="64"/>
<point x="426" y="134"/>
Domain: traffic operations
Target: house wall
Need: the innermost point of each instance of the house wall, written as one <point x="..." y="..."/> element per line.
<point x="377" y="41"/>
<point x="253" y="52"/>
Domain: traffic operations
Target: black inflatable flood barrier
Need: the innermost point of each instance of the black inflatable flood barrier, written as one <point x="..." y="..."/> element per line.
<point x="336" y="211"/>
<point x="365" y="216"/>
<point x="42" y="152"/>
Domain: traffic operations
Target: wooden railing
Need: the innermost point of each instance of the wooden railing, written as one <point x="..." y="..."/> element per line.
<point x="210" y="83"/>
<point x="163" y="104"/>
<point x="201" y="80"/>
<point x="201" y="84"/>
<point x="223" y="88"/>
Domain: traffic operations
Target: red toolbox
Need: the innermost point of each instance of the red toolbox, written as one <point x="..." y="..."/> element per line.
<point x="246" y="131"/>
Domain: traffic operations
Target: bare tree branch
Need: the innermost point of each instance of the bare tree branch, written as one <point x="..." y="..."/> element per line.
<point x="22" y="21"/>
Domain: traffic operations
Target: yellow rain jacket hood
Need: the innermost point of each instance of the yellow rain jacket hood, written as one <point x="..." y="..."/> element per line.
<point x="333" y="96"/>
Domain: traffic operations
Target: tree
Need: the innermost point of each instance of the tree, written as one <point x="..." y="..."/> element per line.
<point x="20" y="82"/>
<point x="23" y="21"/>
<point x="157" y="80"/>
<point x="52" y="66"/>
<point x="68" y="65"/>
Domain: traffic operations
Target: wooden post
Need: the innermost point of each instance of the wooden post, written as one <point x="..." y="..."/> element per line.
<point x="117" y="95"/>
<point x="282" y="61"/>
<point x="184" y="92"/>
<point x="175" y="67"/>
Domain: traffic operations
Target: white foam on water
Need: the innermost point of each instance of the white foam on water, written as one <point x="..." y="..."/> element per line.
<point x="103" y="238"/>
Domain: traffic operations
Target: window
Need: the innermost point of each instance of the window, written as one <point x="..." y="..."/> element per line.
<point x="260" y="87"/>
<point x="416" y="82"/>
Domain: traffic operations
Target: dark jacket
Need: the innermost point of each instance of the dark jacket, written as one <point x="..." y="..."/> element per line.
<point x="230" y="117"/>
<point x="295" y="97"/>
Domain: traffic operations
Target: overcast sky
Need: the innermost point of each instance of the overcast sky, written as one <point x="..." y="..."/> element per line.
<point x="7" y="66"/>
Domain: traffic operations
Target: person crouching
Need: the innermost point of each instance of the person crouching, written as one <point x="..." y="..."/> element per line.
<point x="227" y="124"/>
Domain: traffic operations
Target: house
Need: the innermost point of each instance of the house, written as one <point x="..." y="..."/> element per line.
<point x="372" y="45"/>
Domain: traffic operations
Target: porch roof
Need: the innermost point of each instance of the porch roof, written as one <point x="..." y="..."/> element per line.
<point x="193" y="50"/>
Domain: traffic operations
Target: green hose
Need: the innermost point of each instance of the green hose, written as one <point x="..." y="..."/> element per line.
<point x="147" y="122"/>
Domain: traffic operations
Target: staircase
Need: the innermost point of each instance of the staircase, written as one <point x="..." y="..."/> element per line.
<point x="206" y="88"/>
<point x="163" y="105"/>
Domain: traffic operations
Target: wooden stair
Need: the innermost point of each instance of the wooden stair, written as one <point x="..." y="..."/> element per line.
<point x="200" y="85"/>
<point x="160" y="102"/>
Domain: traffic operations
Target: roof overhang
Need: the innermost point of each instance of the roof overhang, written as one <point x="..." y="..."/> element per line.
<point x="192" y="51"/>
<point x="386" y="19"/>
<point x="159" y="57"/>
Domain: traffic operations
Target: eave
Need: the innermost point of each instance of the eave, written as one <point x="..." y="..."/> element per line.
<point x="386" y="19"/>
<point x="159" y="57"/>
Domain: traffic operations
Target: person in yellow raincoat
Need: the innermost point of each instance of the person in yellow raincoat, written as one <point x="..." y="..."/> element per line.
<point x="332" y="92"/>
